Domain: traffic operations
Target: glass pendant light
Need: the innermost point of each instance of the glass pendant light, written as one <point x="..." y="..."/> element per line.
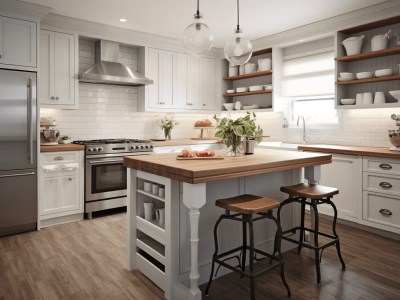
<point x="197" y="36"/>
<point x="238" y="49"/>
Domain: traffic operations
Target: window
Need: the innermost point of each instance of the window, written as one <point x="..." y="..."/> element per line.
<point x="308" y="83"/>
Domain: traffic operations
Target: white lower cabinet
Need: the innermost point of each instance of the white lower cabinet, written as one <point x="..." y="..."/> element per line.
<point x="381" y="193"/>
<point x="61" y="187"/>
<point x="344" y="173"/>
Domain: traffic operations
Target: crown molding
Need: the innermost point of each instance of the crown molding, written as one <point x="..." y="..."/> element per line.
<point x="25" y="8"/>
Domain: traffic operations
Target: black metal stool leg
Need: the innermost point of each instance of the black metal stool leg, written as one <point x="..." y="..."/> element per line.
<point x="215" y="253"/>
<point x="278" y="238"/>
<point x="278" y="215"/>
<point x="316" y="223"/>
<point x="244" y="249"/>
<point x="337" y="244"/>
<point x="301" y="237"/>
<point x="251" y="257"/>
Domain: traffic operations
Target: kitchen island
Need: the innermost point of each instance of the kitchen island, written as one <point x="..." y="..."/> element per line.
<point x="176" y="255"/>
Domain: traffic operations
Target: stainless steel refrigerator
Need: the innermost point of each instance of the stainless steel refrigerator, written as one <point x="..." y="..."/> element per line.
<point x="18" y="152"/>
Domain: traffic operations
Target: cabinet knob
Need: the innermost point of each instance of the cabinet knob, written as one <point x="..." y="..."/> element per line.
<point x="385" y="212"/>
<point x="69" y="179"/>
<point x="204" y="104"/>
<point x="385" y="185"/>
<point x="58" y="158"/>
<point x="385" y="166"/>
<point x="52" y="98"/>
<point x="0" y="55"/>
<point x="57" y="98"/>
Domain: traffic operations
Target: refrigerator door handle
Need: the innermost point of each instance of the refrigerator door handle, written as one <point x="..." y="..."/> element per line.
<point x="19" y="174"/>
<point x="30" y="120"/>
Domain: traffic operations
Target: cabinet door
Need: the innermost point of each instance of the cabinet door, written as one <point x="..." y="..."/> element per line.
<point x="195" y="82"/>
<point x="69" y="192"/>
<point x="154" y="65"/>
<point x="64" y="75"/>
<point x="208" y="83"/>
<point x="166" y="83"/>
<point x="49" y="196"/>
<point x="345" y="174"/>
<point x="17" y="42"/>
<point x="46" y="75"/>
<point x="181" y="81"/>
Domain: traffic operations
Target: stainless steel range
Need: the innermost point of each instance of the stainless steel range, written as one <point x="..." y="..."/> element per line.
<point x="105" y="175"/>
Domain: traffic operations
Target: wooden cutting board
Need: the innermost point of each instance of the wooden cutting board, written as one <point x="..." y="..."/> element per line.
<point x="180" y="157"/>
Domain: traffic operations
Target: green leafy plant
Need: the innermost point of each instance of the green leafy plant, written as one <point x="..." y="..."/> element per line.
<point x="65" y="138"/>
<point x="233" y="131"/>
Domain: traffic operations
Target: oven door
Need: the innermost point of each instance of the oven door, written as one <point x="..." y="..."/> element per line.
<point x="105" y="178"/>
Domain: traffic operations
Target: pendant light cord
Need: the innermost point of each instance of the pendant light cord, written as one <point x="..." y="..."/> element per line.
<point x="198" y="9"/>
<point x="237" y="27"/>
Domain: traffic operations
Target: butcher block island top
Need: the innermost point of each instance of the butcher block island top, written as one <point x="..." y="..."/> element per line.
<point x="62" y="147"/>
<point x="199" y="171"/>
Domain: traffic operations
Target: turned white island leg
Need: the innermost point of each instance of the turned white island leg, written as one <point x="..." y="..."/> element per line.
<point x="194" y="197"/>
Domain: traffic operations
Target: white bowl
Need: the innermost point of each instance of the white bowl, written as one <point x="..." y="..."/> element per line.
<point x="346" y="79"/>
<point x="256" y="88"/>
<point x="383" y="72"/>
<point x="346" y="74"/>
<point x="395" y="94"/>
<point x="348" y="101"/>
<point x="230" y="91"/>
<point x="250" y="68"/>
<point x="242" y="89"/>
<point x="268" y="87"/>
<point x="229" y="106"/>
<point x="363" y="75"/>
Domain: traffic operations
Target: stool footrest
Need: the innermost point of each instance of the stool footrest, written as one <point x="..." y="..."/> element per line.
<point x="307" y="245"/>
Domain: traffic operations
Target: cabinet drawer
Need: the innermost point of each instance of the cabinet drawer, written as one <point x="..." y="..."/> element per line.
<point x="60" y="157"/>
<point x="381" y="183"/>
<point x="381" y="209"/>
<point x="379" y="165"/>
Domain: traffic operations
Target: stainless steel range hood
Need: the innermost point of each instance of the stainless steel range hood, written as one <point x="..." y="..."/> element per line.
<point x="109" y="70"/>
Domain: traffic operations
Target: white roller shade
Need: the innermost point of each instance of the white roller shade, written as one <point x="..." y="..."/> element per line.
<point x="311" y="75"/>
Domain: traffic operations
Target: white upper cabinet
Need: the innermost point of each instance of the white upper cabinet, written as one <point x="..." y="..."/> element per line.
<point x="58" y="76"/>
<point x="17" y="42"/>
<point x="208" y="83"/>
<point x="181" y="81"/>
<point x="161" y="71"/>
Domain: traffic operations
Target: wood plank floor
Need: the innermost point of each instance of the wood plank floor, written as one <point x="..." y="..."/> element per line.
<point x="86" y="260"/>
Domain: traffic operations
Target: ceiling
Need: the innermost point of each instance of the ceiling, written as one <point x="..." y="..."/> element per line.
<point x="258" y="18"/>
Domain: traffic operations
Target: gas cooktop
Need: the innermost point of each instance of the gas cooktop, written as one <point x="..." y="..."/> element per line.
<point x="110" y="141"/>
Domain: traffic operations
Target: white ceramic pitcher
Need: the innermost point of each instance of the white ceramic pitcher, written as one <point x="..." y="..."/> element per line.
<point x="353" y="44"/>
<point x="380" y="41"/>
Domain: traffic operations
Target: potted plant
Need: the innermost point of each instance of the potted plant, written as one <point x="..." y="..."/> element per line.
<point x="167" y="123"/>
<point x="65" y="139"/>
<point x="235" y="133"/>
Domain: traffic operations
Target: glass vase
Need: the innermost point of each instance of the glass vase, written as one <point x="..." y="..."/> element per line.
<point x="167" y="133"/>
<point x="236" y="147"/>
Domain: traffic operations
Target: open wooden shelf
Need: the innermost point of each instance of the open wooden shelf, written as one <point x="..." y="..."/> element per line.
<point x="367" y="55"/>
<point x="361" y="106"/>
<point x="250" y="75"/>
<point x="248" y="93"/>
<point x="262" y="51"/>
<point x="369" y="80"/>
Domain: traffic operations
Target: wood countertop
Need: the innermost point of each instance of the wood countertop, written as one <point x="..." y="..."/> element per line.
<point x="198" y="171"/>
<point x="62" y="147"/>
<point x="180" y="142"/>
<point x="383" y="152"/>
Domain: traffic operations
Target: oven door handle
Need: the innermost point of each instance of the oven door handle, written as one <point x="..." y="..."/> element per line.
<point x="97" y="162"/>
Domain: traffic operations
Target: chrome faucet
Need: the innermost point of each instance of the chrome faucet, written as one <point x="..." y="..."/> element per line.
<point x="304" y="127"/>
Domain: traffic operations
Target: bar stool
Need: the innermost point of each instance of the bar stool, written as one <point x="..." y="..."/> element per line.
<point x="317" y="194"/>
<point x="245" y="206"/>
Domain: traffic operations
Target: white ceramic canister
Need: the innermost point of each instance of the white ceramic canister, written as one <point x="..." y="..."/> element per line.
<point x="241" y="70"/>
<point x="233" y="71"/>
<point x="380" y="41"/>
<point x="359" y="99"/>
<point x="353" y="44"/>
<point x="379" y="98"/>
<point x="264" y="64"/>
<point x="367" y="98"/>
<point x="250" y="68"/>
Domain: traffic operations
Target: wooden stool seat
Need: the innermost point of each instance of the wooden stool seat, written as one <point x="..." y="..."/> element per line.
<point x="310" y="191"/>
<point x="248" y="204"/>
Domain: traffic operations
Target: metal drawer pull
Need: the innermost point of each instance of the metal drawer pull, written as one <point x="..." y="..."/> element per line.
<point x="385" y="166"/>
<point x="385" y="185"/>
<point x="58" y="158"/>
<point x="385" y="212"/>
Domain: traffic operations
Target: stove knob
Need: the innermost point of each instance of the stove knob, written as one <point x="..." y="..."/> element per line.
<point x="141" y="147"/>
<point x="151" y="146"/>
<point x="100" y="149"/>
<point x="146" y="147"/>
<point x="132" y="148"/>
<point x="94" y="149"/>
<point x="90" y="150"/>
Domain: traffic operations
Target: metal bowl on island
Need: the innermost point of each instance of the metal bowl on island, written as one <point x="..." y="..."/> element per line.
<point x="394" y="137"/>
<point x="51" y="135"/>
